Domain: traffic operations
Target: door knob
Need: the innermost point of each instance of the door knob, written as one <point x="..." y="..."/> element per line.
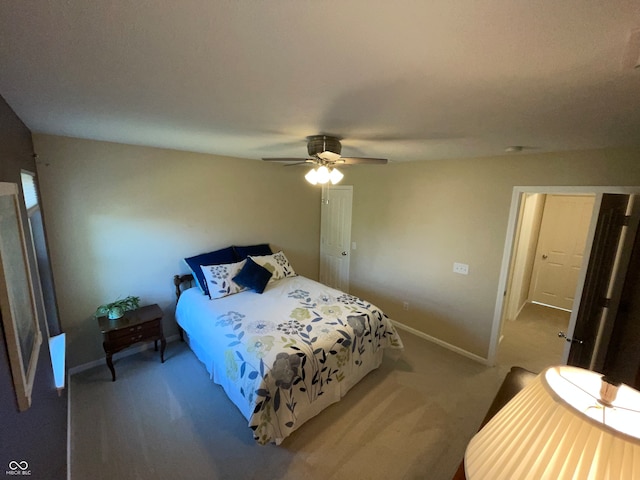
<point x="545" y="256"/>
<point x="344" y="254"/>
<point x="572" y="340"/>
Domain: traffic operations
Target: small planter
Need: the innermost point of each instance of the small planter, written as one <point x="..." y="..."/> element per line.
<point x="115" y="313"/>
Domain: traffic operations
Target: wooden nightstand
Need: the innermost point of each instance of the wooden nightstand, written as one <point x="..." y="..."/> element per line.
<point x="141" y="325"/>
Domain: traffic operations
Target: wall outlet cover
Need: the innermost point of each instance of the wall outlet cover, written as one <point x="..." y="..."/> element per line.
<point x="461" y="268"/>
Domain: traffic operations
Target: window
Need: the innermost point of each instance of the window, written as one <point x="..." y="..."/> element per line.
<point x="44" y="276"/>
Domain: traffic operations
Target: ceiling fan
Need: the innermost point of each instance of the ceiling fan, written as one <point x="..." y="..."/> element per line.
<point x="324" y="151"/>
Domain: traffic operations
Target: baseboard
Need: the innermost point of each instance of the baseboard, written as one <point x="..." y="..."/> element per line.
<point x="441" y="343"/>
<point x="552" y="306"/>
<point x="122" y="354"/>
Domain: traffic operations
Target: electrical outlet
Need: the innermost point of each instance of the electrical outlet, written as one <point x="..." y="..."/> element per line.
<point x="405" y="305"/>
<point x="461" y="268"/>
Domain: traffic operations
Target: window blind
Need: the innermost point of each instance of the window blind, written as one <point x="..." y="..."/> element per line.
<point x="29" y="190"/>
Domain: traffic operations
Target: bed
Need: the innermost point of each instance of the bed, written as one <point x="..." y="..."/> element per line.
<point x="283" y="355"/>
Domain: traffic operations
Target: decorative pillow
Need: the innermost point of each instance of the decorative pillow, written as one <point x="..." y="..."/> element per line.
<point x="219" y="279"/>
<point x="253" y="276"/>
<point x="244" y="252"/>
<point x="218" y="257"/>
<point x="277" y="264"/>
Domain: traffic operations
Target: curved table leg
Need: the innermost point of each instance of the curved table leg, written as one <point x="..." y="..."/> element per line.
<point x="110" y="365"/>
<point x="163" y="345"/>
<point x="109" y="362"/>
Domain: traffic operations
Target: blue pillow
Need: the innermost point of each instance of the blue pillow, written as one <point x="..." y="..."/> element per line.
<point x="219" y="257"/>
<point x="253" y="276"/>
<point x="255" y="250"/>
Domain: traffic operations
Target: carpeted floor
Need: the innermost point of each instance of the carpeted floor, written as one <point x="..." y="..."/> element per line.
<point x="531" y="341"/>
<point x="410" y="419"/>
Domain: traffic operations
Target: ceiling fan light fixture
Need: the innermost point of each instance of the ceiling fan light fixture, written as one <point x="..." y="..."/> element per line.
<point x="322" y="174"/>
<point x="324" y="153"/>
<point x="335" y="176"/>
<point x="312" y="176"/>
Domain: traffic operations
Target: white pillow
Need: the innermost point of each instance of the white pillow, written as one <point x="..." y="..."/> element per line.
<point x="277" y="264"/>
<point x="219" y="278"/>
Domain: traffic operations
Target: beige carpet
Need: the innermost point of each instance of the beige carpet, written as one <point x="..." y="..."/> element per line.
<point x="410" y="419"/>
<point x="531" y="341"/>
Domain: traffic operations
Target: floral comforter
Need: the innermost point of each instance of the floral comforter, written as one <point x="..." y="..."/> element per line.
<point x="285" y="355"/>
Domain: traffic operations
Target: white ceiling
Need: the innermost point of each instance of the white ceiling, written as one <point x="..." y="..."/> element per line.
<point x="402" y="79"/>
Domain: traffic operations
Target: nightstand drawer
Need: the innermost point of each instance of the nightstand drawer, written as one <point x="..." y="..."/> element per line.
<point x="125" y="332"/>
<point x="125" y="341"/>
<point x="145" y="330"/>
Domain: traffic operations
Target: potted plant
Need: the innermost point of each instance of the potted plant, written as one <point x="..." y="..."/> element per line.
<point x="116" y="309"/>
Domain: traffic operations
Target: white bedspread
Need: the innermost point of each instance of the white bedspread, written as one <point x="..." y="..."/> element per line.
<point x="285" y="355"/>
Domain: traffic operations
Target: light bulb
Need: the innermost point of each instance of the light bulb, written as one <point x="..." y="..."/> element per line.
<point x="335" y="176"/>
<point x="322" y="174"/>
<point x="312" y="176"/>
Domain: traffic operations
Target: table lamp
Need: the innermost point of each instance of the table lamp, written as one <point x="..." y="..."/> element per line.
<point x="568" y="423"/>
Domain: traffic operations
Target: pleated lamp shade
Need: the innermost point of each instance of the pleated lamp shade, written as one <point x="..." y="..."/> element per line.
<point x="560" y="427"/>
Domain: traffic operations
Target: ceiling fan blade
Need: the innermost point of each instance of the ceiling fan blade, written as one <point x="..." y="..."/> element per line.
<point x="304" y="162"/>
<point x="286" y="159"/>
<point x="363" y="161"/>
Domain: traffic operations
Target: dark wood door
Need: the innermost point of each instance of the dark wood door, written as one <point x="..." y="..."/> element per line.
<point x="622" y="361"/>
<point x="601" y="262"/>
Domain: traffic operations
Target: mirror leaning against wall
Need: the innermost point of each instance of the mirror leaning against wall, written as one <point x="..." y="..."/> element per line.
<point x="17" y="299"/>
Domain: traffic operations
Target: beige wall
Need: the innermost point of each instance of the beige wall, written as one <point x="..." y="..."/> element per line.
<point x="412" y="221"/>
<point x="121" y="218"/>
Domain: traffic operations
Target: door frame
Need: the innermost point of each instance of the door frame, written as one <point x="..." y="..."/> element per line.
<point x="516" y="198"/>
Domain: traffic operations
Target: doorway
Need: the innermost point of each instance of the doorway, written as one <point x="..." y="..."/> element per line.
<point x="551" y="234"/>
<point x="506" y="308"/>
